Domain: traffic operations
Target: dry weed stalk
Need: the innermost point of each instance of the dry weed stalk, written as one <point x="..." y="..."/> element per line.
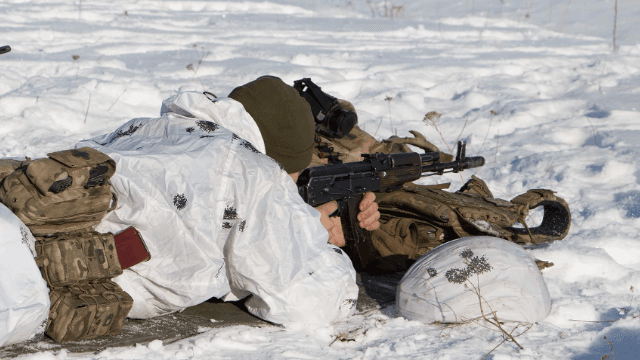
<point x="195" y="69"/>
<point x="388" y="100"/>
<point x="493" y="113"/>
<point x="495" y="161"/>
<point x="625" y="311"/>
<point x="116" y="100"/>
<point x="347" y="337"/>
<point x="506" y="338"/>
<point x="451" y="325"/>
<point x="463" y="127"/>
<point x="373" y="12"/>
<point x="393" y="11"/>
<point x="433" y="118"/>
<point x="549" y="168"/>
<point x="397" y="11"/>
<point x="75" y="58"/>
<point x="87" y="113"/>
<point x="495" y="322"/>
<point x="606" y="356"/>
<point x="615" y="26"/>
<point x="477" y="265"/>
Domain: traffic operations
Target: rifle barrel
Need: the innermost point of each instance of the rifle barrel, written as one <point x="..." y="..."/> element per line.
<point x="474" y="162"/>
<point x="455" y="166"/>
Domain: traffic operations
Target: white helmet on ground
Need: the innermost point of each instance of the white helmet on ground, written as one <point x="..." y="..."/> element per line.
<point x="445" y="284"/>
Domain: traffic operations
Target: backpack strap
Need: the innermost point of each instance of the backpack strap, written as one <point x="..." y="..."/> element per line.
<point x="22" y="177"/>
<point x="114" y="202"/>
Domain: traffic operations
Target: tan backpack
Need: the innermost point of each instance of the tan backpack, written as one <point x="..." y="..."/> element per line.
<point x="70" y="190"/>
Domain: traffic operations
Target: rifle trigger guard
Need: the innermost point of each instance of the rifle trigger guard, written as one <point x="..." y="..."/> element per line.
<point x="342" y="206"/>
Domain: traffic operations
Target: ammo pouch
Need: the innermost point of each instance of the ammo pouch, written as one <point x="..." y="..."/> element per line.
<point x="87" y="310"/>
<point x="68" y="258"/>
<point x="68" y="191"/>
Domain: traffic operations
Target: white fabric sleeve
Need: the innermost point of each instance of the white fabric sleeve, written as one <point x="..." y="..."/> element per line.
<point x="24" y="295"/>
<point x="283" y="258"/>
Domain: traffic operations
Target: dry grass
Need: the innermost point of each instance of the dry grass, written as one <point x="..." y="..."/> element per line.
<point x="477" y="265"/>
<point x="201" y="55"/>
<point x="612" y="354"/>
<point x="387" y="9"/>
<point x="493" y="113"/>
<point x="116" y="100"/>
<point x="615" y="26"/>
<point x="432" y="118"/>
<point x="388" y="100"/>
<point x="87" y="113"/>
<point x="75" y="58"/>
<point x="492" y="319"/>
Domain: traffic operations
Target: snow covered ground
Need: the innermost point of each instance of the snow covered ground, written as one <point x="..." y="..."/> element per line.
<point x="533" y="86"/>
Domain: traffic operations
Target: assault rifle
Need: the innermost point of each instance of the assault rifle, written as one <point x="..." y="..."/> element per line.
<point x="347" y="183"/>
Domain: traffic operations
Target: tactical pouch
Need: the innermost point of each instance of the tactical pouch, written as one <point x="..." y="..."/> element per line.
<point x="68" y="191"/>
<point x="87" y="310"/>
<point x="68" y="258"/>
<point x="405" y="236"/>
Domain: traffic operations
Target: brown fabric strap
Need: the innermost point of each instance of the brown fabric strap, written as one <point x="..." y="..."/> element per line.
<point x="114" y="202"/>
<point x="24" y="180"/>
